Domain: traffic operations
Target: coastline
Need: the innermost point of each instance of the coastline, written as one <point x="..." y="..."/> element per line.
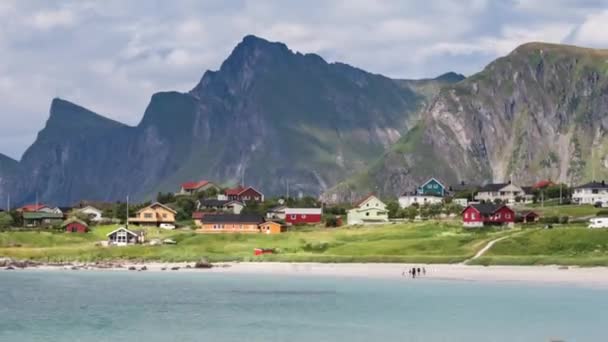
<point x="596" y="277"/>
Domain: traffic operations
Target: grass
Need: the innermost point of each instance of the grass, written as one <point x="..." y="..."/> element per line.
<point x="573" y="210"/>
<point x="432" y="242"/>
<point x="572" y="245"/>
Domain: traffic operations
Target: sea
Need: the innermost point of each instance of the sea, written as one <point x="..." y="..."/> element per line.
<point x="198" y="306"/>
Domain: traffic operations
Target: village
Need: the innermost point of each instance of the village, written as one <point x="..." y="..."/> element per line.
<point x="206" y="208"/>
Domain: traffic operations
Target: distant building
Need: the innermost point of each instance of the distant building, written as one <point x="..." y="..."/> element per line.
<point x="505" y="192"/>
<point x="191" y="188"/>
<point x="74" y="225"/>
<point x="303" y="215"/>
<point x="33" y="208"/>
<point x="527" y="217"/>
<point x="591" y="193"/>
<point x="123" y="236"/>
<point x="270" y="227"/>
<point x="479" y="215"/>
<point x="154" y="214"/>
<point x="276" y="213"/>
<point x="230" y="223"/>
<point x="41" y="219"/>
<point x="430" y="192"/>
<point x="370" y="210"/>
<point x="244" y="194"/>
<point x="92" y="213"/>
<point x="541" y="184"/>
<point x="228" y="206"/>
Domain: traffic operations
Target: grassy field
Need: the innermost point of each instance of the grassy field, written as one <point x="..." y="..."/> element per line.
<point x="572" y="245"/>
<point x="572" y="210"/>
<point x="432" y="242"/>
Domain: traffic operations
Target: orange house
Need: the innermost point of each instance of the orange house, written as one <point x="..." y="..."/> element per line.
<point x="271" y="227"/>
<point x="154" y="214"/>
<point x="230" y="223"/>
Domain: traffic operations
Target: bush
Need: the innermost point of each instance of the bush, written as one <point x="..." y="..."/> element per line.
<point x="549" y="219"/>
<point x="564" y="219"/>
<point x="603" y="212"/>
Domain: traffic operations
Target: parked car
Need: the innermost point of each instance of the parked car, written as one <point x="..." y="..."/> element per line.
<point x="167" y="226"/>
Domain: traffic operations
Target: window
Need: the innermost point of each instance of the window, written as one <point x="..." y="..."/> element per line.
<point x="366" y="214"/>
<point x="507" y="216"/>
<point x="148" y="215"/>
<point x="293" y="217"/>
<point x="466" y="215"/>
<point x="472" y="216"/>
<point x="164" y="215"/>
<point x="303" y="216"/>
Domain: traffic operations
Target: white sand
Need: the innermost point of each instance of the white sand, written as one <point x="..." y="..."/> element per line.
<point x="587" y="277"/>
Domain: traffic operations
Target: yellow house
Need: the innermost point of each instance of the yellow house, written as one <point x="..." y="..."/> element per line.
<point x="154" y="214"/>
<point x="270" y="227"/>
<point x="230" y="223"/>
<point x="369" y="210"/>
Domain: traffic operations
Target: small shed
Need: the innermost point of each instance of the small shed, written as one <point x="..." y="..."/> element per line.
<point x="529" y="216"/>
<point x="74" y="225"/>
<point x="122" y="237"/>
<point x="271" y="227"/>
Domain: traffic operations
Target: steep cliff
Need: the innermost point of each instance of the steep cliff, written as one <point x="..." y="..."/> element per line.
<point x="540" y="112"/>
<point x="269" y="116"/>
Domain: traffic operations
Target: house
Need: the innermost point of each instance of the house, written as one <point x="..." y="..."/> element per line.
<point x="463" y="202"/>
<point x="414" y="198"/>
<point x="591" y="193"/>
<point x="303" y="215"/>
<point x="41" y="218"/>
<point x="192" y="188"/>
<point x="432" y="187"/>
<point x="230" y="223"/>
<point x="527" y="217"/>
<point x="430" y="192"/>
<point x="369" y="210"/>
<point x="154" y="214"/>
<point x="479" y="215"/>
<point x="94" y="214"/>
<point x="234" y="207"/>
<point x="74" y="225"/>
<point x="244" y="194"/>
<point x="505" y="192"/>
<point x="123" y="236"/>
<point x="276" y="213"/>
<point x="541" y="184"/>
<point x="270" y="227"/>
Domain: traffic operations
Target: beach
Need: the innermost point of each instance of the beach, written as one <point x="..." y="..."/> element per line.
<point x="559" y="275"/>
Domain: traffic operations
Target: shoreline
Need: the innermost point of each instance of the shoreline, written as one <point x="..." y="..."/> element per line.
<point x="595" y="277"/>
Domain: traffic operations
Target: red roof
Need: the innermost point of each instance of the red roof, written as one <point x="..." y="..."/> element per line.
<point x="234" y="191"/>
<point x="197" y="215"/>
<point x="32" y="207"/>
<point x="543" y="184"/>
<point x="194" y="185"/>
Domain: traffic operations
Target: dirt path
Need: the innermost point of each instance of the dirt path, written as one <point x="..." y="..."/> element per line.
<point x="487" y="247"/>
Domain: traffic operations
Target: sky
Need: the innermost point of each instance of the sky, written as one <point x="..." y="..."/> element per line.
<point x="111" y="56"/>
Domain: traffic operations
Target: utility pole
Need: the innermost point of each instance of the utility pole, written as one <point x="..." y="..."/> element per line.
<point x="127" y="211"/>
<point x="560" y="192"/>
<point x="8" y="203"/>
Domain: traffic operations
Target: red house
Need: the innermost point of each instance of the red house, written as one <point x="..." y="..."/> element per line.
<point x="479" y="215"/>
<point x="303" y="215"/>
<point x="75" y="226"/>
<point x="244" y="194"/>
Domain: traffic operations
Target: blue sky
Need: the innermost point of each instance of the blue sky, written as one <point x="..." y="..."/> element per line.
<point x="111" y="56"/>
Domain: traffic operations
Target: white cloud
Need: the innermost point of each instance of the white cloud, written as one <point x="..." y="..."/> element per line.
<point x="111" y="56"/>
<point x="46" y="20"/>
<point x="593" y="31"/>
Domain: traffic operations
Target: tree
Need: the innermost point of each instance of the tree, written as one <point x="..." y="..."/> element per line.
<point x="6" y="220"/>
<point x="165" y="198"/>
<point x="185" y="207"/>
<point x="497" y="201"/>
<point x="393" y="209"/>
<point x="410" y="212"/>
<point x="17" y="218"/>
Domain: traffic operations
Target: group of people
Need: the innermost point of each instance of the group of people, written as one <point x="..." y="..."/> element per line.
<point x="415" y="271"/>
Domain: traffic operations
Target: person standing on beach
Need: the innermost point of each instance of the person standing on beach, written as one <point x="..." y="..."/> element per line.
<point x="413" y="272"/>
<point x="418" y="270"/>
<point x="424" y="271"/>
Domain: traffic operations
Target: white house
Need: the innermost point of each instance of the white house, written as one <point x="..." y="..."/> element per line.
<point x="591" y="193"/>
<point x="123" y="236"/>
<point x="276" y="213"/>
<point x="93" y="213"/>
<point x="369" y="210"/>
<point x="409" y="199"/>
<point x="505" y="192"/>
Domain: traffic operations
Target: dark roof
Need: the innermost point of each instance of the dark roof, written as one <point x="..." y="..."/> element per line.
<point x="492" y="187"/>
<point x="593" y="185"/>
<point x="527" y="213"/>
<point x="486" y="208"/>
<point x="233" y="218"/>
<point x="528" y="189"/>
<point x="28" y="215"/>
<point x="214" y="202"/>
<point x="416" y="193"/>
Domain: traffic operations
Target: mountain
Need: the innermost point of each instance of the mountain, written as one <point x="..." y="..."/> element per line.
<point x="269" y="116"/>
<point x="539" y="112"/>
<point x="8" y="174"/>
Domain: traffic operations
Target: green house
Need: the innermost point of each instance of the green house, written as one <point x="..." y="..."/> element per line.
<point x="40" y="218"/>
<point x="432" y="187"/>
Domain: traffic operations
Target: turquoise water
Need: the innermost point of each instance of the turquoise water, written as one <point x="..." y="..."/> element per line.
<point x="125" y="306"/>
